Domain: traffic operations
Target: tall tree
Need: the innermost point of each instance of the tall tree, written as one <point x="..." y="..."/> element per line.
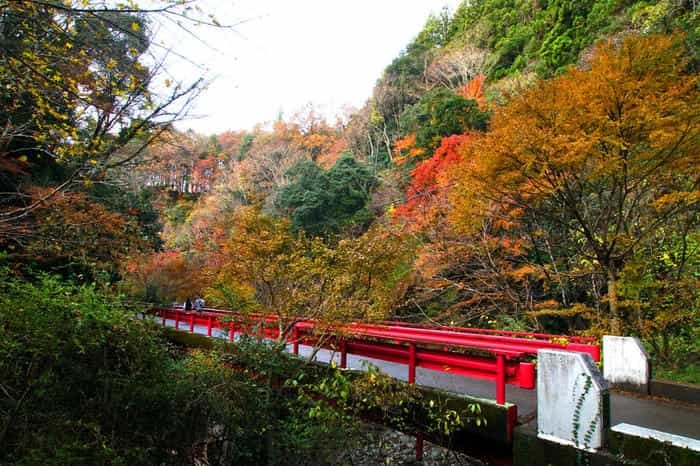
<point x="608" y="154"/>
<point x="324" y="202"/>
<point x="271" y="269"/>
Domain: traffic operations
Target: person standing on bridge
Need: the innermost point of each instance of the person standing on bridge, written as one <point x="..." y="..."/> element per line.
<point x="198" y="304"/>
<point x="188" y="305"/>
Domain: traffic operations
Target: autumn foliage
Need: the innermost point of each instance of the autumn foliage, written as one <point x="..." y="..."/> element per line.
<point x="474" y="90"/>
<point x="426" y="195"/>
<point x="591" y="164"/>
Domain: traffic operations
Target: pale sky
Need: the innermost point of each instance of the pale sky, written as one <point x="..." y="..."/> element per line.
<point x="291" y="53"/>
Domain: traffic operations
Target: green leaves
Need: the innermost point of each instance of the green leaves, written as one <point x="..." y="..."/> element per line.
<point x="322" y="203"/>
<point x="441" y="113"/>
<point x="84" y="381"/>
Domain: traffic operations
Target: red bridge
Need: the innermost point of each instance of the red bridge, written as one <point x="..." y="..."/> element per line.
<point x="502" y="356"/>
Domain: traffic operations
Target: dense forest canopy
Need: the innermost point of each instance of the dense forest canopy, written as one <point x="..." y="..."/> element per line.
<point x="521" y="164"/>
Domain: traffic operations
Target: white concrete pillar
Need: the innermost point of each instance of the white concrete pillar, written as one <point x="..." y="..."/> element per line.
<point x="626" y="363"/>
<point x="573" y="402"/>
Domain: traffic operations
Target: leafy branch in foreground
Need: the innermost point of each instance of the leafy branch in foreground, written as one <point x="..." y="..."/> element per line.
<point x="81" y="94"/>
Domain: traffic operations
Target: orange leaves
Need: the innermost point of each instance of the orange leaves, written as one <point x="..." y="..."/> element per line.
<point x="163" y="277"/>
<point x="587" y="166"/>
<point x="405" y="149"/>
<point x="328" y="158"/>
<point x="633" y="112"/>
<point x="474" y="90"/>
<point x="73" y="228"/>
<point x="522" y="272"/>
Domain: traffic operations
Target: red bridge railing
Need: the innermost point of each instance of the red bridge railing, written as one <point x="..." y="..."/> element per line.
<point x="489" y="331"/>
<point x="504" y="358"/>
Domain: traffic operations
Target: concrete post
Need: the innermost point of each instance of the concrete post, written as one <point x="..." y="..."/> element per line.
<point x="573" y="403"/>
<point x="626" y="364"/>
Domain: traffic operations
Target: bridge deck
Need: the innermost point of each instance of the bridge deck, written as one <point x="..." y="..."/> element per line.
<point x="664" y="415"/>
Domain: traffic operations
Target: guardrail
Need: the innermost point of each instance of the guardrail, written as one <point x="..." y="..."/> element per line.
<point x="499" y="358"/>
<point x="490" y="331"/>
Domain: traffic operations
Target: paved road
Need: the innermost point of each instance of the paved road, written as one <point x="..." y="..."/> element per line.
<point x="664" y="415"/>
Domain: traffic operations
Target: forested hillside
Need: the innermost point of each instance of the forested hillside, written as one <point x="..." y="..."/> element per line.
<point x="524" y="164"/>
<point x="533" y="162"/>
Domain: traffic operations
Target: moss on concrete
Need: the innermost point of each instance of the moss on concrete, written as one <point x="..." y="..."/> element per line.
<point x="650" y="451"/>
<point x="529" y="450"/>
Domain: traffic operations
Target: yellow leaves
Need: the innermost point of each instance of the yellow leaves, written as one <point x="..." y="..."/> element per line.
<point x="687" y="198"/>
<point x="136" y="27"/>
<point x="553" y="308"/>
<point x="376" y="118"/>
<point x="297" y="276"/>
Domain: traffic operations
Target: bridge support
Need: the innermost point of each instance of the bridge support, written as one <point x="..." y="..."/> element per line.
<point x="500" y="379"/>
<point x="411" y="363"/>
<point x="343" y="355"/>
<point x="573" y="402"/>
<point x="626" y="364"/>
<point x="419" y="446"/>
<point x="295" y="341"/>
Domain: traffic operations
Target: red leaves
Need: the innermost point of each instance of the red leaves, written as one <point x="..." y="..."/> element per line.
<point x="425" y="195"/>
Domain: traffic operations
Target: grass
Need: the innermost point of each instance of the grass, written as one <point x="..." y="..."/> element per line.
<point x="686" y="374"/>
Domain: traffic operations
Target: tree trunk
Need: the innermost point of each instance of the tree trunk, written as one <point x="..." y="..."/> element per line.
<point x="388" y="145"/>
<point x="615" y="323"/>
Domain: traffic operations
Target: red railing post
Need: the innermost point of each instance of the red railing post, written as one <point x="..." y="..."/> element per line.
<point x="209" y="326"/>
<point x="295" y="340"/>
<point x="177" y="320"/>
<point x="343" y="355"/>
<point x="500" y="379"/>
<point x="162" y="313"/>
<point x="231" y="331"/>
<point x="411" y="363"/>
<point x="192" y="323"/>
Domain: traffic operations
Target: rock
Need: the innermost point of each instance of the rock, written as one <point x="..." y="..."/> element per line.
<point x="382" y="446"/>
